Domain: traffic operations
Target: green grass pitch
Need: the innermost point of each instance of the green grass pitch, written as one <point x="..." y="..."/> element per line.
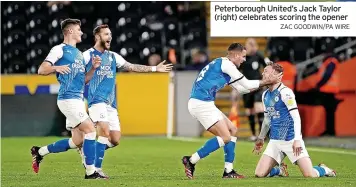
<point x="156" y="162"/>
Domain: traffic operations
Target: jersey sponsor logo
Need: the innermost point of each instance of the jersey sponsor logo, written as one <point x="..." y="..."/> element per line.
<point x="105" y="70"/>
<point x="78" y="64"/>
<point x="272" y="113"/>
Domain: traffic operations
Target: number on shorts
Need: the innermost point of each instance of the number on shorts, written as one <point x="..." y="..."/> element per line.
<point x="202" y="73"/>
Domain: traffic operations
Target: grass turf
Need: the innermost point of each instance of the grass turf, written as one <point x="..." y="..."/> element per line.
<point x="156" y="162"/>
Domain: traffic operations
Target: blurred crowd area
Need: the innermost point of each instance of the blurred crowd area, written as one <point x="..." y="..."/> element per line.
<point x="143" y="33"/>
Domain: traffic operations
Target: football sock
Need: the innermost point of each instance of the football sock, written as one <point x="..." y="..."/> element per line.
<point x="274" y="171"/>
<point x="57" y="147"/>
<point x="89" y="152"/>
<point x="109" y="145"/>
<point x="210" y="146"/>
<point x="229" y="150"/>
<point x="100" y="150"/>
<point x="320" y="171"/>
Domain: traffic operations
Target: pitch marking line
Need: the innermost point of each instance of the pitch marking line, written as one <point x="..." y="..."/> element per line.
<point x="184" y="139"/>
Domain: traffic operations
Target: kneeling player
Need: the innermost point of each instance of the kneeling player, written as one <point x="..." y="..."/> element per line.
<point x="215" y="76"/>
<point x="282" y="118"/>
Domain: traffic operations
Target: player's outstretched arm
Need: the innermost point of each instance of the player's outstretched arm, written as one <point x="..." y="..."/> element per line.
<point x="161" y="67"/>
<point x="240" y="89"/>
<point x="96" y="62"/>
<point x="238" y="78"/>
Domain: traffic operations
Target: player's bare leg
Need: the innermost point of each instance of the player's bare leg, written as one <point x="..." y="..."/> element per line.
<point x="114" y="139"/>
<point x="268" y="167"/>
<point x="222" y="137"/>
<point x="307" y="169"/>
<point x="229" y="150"/>
<point x="60" y="146"/>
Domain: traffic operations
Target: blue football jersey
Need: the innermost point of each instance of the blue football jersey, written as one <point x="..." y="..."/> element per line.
<point x="72" y="84"/>
<point x="278" y="104"/>
<point x="102" y="87"/>
<point x="211" y="79"/>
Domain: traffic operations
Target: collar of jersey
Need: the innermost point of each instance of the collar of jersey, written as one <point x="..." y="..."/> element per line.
<point x="99" y="51"/>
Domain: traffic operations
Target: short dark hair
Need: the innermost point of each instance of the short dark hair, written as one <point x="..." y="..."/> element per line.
<point x="236" y="46"/>
<point x="67" y="22"/>
<point x="98" y="28"/>
<point x="277" y="67"/>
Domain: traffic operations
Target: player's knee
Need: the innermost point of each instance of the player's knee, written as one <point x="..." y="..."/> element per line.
<point x="115" y="141"/>
<point x="226" y="139"/>
<point x="90" y="129"/>
<point x="87" y="126"/>
<point x="78" y="141"/>
<point x="233" y="130"/>
<point x="260" y="174"/>
<point x="103" y="129"/>
<point x="308" y="174"/>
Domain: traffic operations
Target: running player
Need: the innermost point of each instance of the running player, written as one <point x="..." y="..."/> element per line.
<point x="102" y="91"/>
<point x="68" y="63"/>
<point x="283" y="120"/>
<point x="213" y="77"/>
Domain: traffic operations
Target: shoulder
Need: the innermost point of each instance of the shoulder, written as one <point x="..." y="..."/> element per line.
<point x="58" y="48"/>
<point x="225" y="63"/>
<point x="87" y="54"/>
<point x="286" y="92"/>
<point x="225" y="60"/>
<point x="88" y="51"/>
<point x="116" y="55"/>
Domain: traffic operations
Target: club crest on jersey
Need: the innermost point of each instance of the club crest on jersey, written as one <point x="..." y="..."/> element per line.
<point x="276" y="99"/>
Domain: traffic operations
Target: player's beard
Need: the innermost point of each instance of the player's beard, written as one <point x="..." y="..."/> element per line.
<point x="103" y="44"/>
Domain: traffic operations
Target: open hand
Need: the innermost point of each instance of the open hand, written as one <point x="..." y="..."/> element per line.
<point x="274" y="78"/>
<point x="161" y="67"/>
<point x="297" y="147"/>
<point x="62" y="69"/>
<point x="258" y="146"/>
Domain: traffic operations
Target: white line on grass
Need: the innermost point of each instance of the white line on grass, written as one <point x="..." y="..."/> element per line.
<point x="186" y="139"/>
<point x="331" y="151"/>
